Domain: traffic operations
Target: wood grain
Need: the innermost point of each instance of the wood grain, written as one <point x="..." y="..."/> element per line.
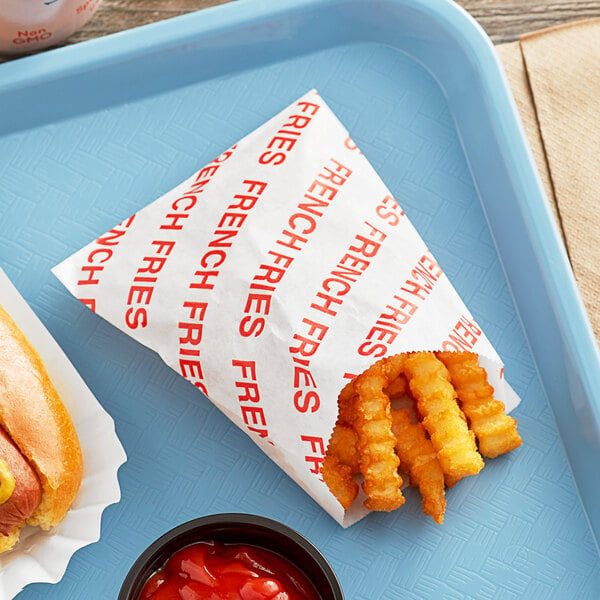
<point x="506" y="20"/>
<point x="503" y="20"/>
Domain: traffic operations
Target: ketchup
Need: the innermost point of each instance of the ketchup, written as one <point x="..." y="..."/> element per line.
<point x="214" y="571"/>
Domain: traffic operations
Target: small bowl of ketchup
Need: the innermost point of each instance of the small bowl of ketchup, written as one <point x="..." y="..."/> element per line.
<point x="233" y="557"/>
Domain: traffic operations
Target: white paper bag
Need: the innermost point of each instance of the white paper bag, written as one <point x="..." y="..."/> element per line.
<point x="271" y="276"/>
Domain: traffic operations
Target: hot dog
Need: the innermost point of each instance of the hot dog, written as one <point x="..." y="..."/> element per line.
<point x="39" y="447"/>
<point x="26" y="494"/>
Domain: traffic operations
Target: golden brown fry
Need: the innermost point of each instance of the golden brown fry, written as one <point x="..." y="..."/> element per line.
<point x="451" y="481"/>
<point x="370" y="438"/>
<point x="342" y="444"/>
<point x="392" y="367"/>
<point x="376" y="442"/>
<point x="397" y="387"/>
<point x="454" y="444"/>
<point x="418" y="458"/>
<point x="495" y="431"/>
<point x="346" y="404"/>
<point x="341" y="459"/>
<point x="339" y="479"/>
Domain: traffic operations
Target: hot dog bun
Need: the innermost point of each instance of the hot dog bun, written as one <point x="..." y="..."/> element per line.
<point x="39" y="425"/>
<point x="8" y="541"/>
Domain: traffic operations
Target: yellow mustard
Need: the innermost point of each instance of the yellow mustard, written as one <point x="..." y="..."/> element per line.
<point x="7" y="482"/>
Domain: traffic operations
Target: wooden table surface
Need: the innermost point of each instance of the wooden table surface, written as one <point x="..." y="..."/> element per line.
<point x="504" y="20"/>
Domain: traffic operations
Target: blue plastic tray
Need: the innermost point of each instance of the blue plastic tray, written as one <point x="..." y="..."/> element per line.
<point x="91" y="133"/>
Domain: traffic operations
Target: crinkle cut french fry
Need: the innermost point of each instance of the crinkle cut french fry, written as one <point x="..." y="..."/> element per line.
<point x="496" y="432"/>
<point x="346" y="404"/>
<point x="341" y="459"/>
<point x="339" y="479"/>
<point x="376" y="442"/>
<point x="397" y="387"/>
<point x="454" y="444"/>
<point x="418" y="458"/>
<point x="342" y="444"/>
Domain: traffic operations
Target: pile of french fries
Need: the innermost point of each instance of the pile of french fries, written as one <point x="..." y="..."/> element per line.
<point x="452" y="421"/>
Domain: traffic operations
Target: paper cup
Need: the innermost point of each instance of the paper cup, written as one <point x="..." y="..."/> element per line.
<point x="236" y="528"/>
<point x="27" y="25"/>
